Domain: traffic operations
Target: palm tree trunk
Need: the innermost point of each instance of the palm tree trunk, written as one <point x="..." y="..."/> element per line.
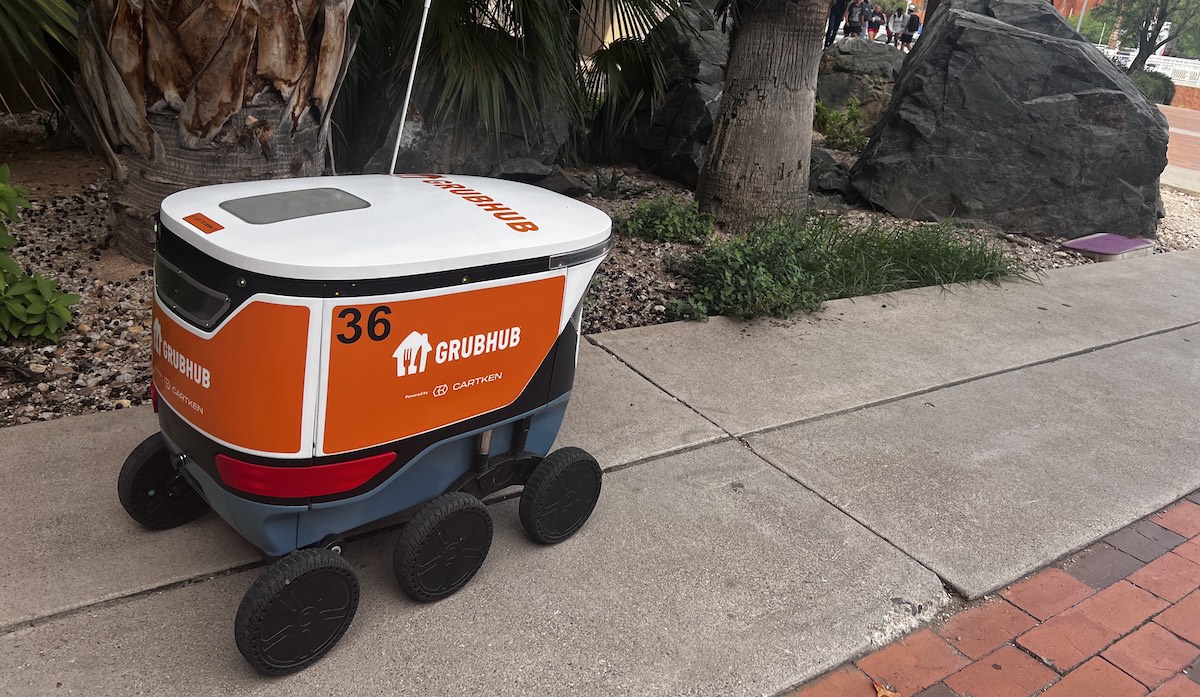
<point x="758" y="157"/>
<point x="185" y="93"/>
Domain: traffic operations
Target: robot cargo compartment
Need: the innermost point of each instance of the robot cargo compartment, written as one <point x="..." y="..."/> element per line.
<point x="303" y="377"/>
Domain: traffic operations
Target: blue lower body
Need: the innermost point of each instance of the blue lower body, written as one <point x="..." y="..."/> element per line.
<point x="280" y="529"/>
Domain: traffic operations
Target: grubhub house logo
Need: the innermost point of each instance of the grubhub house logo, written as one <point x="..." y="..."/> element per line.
<point x="189" y="368"/>
<point x="412" y="355"/>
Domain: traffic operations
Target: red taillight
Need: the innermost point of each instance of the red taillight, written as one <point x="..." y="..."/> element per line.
<point x="300" y="482"/>
<point x="154" y="396"/>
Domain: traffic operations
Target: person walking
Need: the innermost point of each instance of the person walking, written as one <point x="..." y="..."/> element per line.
<point x="837" y="11"/>
<point x="875" y="21"/>
<point x="912" y="23"/>
<point x="895" y="26"/>
<point x="855" y="16"/>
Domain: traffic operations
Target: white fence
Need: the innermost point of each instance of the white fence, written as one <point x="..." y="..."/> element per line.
<point x="1183" y="71"/>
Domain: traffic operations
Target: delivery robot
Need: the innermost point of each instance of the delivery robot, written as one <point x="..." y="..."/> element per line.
<point x="339" y="352"/>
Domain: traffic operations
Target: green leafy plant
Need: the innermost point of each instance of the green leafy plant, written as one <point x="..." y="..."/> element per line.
<point x="793" y="265"/>
<point x="30" y="305"/>
<point x="842" y="129"/>
<point x="669" y="219"/>
<point x="611" y="185"/>
<point x="771" y="271"/>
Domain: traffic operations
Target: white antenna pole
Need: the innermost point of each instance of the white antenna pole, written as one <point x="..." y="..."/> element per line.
<point x="1078" y="25"/>
<point x="408" y="93"/>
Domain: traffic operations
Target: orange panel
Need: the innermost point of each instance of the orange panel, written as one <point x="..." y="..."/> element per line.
<point x="245" y="385"/>
<point x="401" y="368"/>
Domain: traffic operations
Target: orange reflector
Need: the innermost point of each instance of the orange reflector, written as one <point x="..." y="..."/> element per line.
<point x="301" y="482"/>
<point x="203" y="223"/>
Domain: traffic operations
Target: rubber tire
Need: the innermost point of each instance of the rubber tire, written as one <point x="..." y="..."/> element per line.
<point x="560" y="495"/>
<point x="153" y="492"/>
<point x="455" y="517"/>
<point x="319" y="575"/>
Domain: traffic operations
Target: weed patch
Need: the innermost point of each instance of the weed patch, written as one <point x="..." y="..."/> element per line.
<point x="668" y="219"/>
<point x="842" y="129"/>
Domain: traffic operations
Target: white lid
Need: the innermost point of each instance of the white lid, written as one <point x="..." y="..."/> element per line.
<point x="412" y="224"/>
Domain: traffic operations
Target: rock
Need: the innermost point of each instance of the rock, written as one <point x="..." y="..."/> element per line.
<point x="37" y="368"/>
<point x="670" y="140"/>
<point x="1031" y="132"/>
<point x="827" y="175"/>
<point x="866" y="72"/>
<point x="563" y="183"/>
<point x="1040" y="17"/>
<point x="862" y="58"/>
<point x="43" y="387"/>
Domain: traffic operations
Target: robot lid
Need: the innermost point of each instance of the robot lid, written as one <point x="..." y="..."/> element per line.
<point x="380" y="226"/>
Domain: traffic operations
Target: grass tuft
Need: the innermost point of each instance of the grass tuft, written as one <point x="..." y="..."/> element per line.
<point x="793" y="265"/>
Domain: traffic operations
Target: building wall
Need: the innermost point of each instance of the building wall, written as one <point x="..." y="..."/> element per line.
<point x="1071" y="8"/>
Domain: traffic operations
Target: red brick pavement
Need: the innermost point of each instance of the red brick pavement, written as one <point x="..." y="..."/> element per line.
<point x="1121" y="618"/>
<point x="1183" y="150"/>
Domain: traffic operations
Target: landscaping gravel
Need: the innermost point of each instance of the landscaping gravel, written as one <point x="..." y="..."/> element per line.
<point x="102" y="361"/>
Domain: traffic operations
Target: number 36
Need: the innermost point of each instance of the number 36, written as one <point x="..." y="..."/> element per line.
<point x="378" y="327"/>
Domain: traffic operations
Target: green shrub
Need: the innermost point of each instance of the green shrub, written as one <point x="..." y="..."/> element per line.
<point x="669" y="219"/>
<point x="772" y="271"/>
<point x="1157" y="87"/>
<point x="613" y="185"/>
<point x="842" y="129"/>
<point x="29" y="305"/>
<point x="799" y="264"/>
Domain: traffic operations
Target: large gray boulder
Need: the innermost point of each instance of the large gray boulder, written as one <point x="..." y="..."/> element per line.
<point x="862" y="71"/>
<point x="1040" y="17"/>
<point x="670" y="140"/>
<point x="1031" y="131"/>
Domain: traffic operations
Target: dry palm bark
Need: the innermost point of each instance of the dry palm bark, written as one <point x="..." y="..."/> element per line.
<point x="757" y="162"/>
<point x="191" y="92"/>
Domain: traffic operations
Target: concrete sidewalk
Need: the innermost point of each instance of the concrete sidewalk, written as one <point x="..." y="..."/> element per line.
<point x="782" y="496"/>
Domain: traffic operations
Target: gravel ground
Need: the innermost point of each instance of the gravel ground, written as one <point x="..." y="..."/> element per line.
<point x="102" y="361"/>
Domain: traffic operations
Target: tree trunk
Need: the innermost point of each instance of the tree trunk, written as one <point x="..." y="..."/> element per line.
<point x="1148" y="36"/>
<point x="757" y="163"/>
<point x="185" y="93"/>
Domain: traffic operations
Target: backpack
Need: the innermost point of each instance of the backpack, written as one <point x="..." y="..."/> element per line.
<point x="914" y="23"/>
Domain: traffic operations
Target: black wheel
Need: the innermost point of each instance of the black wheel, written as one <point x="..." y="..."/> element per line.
<point x="560" y="495"/>
<point x="442" y="547"/>
<point x="153" y="492"/>
<point x="296" y="611"/>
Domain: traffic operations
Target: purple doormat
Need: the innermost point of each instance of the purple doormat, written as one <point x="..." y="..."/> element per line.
<point x="1107" y="243"/>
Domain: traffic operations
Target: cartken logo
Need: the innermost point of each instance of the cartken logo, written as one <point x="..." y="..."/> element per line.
<point x="412" y="354"/>
<point x="157" y="330"/>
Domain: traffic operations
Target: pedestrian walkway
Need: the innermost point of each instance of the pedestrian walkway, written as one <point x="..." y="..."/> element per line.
<point x="1120" y="619"/>
<point x="1183" y="149"/>
<point x="780" y="497"/>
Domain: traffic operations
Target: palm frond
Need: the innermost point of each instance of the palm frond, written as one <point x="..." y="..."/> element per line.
<point x="495" y="65"/>
<point x="37" y="41"/>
